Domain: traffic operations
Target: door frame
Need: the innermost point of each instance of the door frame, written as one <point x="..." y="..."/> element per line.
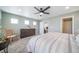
<point x="62" y="18"/>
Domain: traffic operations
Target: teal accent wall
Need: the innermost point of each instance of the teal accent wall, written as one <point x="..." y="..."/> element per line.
<point x="0" y="17"/>
<point x="6" y="22"/>
<point x="0" y="21"/>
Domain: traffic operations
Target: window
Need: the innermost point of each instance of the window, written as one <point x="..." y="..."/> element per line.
<point x="14" y="21"/>
<point x="26" y="22"/>
<point x="34" y="23"/>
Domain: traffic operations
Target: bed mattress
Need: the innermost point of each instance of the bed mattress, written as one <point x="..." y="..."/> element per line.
<point x="52" y="43"/>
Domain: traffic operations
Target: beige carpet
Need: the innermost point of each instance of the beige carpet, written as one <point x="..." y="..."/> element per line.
<point x="18" y="46"/>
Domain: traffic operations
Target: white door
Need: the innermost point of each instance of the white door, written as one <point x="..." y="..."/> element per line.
<point x="41" y="28"/>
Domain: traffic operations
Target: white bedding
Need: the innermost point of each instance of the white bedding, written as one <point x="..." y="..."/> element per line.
<point x="52" y="43"/>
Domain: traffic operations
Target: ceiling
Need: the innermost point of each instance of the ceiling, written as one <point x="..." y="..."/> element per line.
<point x="29" y="11"/>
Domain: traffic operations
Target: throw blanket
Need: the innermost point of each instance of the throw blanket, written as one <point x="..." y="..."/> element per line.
<point x="50" y="43"/>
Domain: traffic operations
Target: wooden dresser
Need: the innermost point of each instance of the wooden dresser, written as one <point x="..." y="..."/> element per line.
<point x="26" y="32"/>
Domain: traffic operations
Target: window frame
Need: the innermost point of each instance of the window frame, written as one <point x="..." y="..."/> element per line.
<point x="26" y="22"/>
<point x="34" y="23"/>
<point x="14" y="21"/>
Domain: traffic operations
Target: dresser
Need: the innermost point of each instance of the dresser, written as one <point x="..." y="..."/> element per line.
<point x="26" y="32"/>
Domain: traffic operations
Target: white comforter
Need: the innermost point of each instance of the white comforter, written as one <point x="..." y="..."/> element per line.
<point x="52" y="43"/>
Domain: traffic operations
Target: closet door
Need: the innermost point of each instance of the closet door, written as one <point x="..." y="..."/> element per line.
<point x="67" y="26"/>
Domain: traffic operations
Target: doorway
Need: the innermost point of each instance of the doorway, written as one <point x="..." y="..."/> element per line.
<point x="45" y="27"/>
<point x="67" y="25"/>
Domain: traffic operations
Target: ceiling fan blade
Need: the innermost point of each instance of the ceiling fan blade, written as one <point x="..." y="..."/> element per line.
<point x="37" y="9"/>
<point x="37" y="13"/>
<point x="46" y="8"/>
<point x="46" y="13"/>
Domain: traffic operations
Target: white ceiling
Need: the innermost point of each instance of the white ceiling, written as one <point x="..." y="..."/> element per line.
<point x="28" y="11"/>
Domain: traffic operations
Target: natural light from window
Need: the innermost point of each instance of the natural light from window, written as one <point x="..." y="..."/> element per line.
<point x="14" y="21"/>
<point x="34" y="23"/>
<point x="26" y="22"/>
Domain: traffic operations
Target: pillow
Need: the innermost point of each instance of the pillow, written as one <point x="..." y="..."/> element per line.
<point x="76" y="35"/>
<point x="77" y="38"/>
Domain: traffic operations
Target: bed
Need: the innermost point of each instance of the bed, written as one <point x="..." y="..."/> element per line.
<point x="53" y="43"/>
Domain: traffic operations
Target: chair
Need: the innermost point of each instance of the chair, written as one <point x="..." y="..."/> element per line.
<point x="9" y="33"/>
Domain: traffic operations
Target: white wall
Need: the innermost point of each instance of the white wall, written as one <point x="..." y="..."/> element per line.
<point x="41" y="31"/>
<point x="54" y="23"/>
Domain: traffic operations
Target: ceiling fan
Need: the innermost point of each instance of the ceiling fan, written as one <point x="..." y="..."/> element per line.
<point x="42" y="11"/>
